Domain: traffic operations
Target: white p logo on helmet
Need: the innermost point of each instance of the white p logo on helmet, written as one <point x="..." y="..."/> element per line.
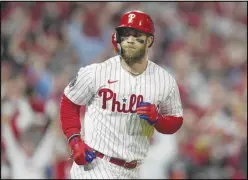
<point x="131" y="17"/>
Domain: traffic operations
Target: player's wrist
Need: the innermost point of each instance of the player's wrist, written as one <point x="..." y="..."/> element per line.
<point x="154" y="122"/>
<point x="73" y="139"/>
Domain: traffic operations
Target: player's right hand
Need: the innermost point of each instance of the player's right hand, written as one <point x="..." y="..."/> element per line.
<point x="81" y="152"/>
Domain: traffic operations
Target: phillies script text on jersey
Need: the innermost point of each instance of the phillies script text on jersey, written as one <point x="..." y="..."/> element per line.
<point x="109" y="95"/>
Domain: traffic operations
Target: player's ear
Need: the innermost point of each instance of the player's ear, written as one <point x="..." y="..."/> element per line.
<point x="149" y="41"/>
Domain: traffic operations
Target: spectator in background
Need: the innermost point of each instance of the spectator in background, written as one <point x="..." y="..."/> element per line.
<point x="89" y="33"/>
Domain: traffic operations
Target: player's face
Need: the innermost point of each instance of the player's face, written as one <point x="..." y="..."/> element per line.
<point x="133" y="44"/>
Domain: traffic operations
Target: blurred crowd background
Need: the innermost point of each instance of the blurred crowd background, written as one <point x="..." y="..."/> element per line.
<point x="202" y="44"/>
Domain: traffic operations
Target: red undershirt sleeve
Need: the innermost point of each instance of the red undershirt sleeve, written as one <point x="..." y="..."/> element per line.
<point x="170" y="117"/>
<point x="69" y="117"/>
<point x="168" y="124"/>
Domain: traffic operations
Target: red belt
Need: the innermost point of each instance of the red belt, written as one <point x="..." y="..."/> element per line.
<point x="119" y="162"/>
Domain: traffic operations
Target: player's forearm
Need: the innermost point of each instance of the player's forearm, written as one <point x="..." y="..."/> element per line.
<point x="168" y="124"/>
<point x="69" y="117"/>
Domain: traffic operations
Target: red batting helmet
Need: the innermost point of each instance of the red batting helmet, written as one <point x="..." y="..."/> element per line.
<point x="137" y="20"/>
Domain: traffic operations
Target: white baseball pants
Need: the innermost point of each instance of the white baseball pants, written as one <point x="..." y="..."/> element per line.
<point x="102" y="169"/>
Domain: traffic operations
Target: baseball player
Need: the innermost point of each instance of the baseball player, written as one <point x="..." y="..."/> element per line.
<point x="127" y="97"/>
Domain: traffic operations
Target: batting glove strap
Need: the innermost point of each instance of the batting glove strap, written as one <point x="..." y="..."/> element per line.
<point x="72" y="136"/>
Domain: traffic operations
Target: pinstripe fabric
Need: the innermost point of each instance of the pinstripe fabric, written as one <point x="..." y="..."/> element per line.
<point x="102" y="169"/>
<point x="111" y="124"/>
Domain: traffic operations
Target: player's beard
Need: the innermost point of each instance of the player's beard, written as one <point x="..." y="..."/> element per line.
<point x="133" y="55"/>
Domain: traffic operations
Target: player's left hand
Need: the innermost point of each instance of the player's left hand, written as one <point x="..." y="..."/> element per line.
<point x="148" y="112"/>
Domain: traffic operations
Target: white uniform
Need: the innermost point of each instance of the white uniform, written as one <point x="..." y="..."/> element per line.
<point x="111" y="124"/>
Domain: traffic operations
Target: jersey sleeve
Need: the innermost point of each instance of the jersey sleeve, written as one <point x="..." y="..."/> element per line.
<point x="171" y="105"/>
<point x="81" y="89"/>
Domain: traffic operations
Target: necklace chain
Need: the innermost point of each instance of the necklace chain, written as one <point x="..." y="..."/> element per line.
<point x="133" y="72"/>
<point x="130" y="71"/>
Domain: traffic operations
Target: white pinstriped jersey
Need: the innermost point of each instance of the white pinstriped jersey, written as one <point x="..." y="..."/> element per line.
<point x="111" y="95"/>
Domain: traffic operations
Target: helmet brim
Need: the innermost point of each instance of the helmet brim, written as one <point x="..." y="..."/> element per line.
<point x="134" y="27"/>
